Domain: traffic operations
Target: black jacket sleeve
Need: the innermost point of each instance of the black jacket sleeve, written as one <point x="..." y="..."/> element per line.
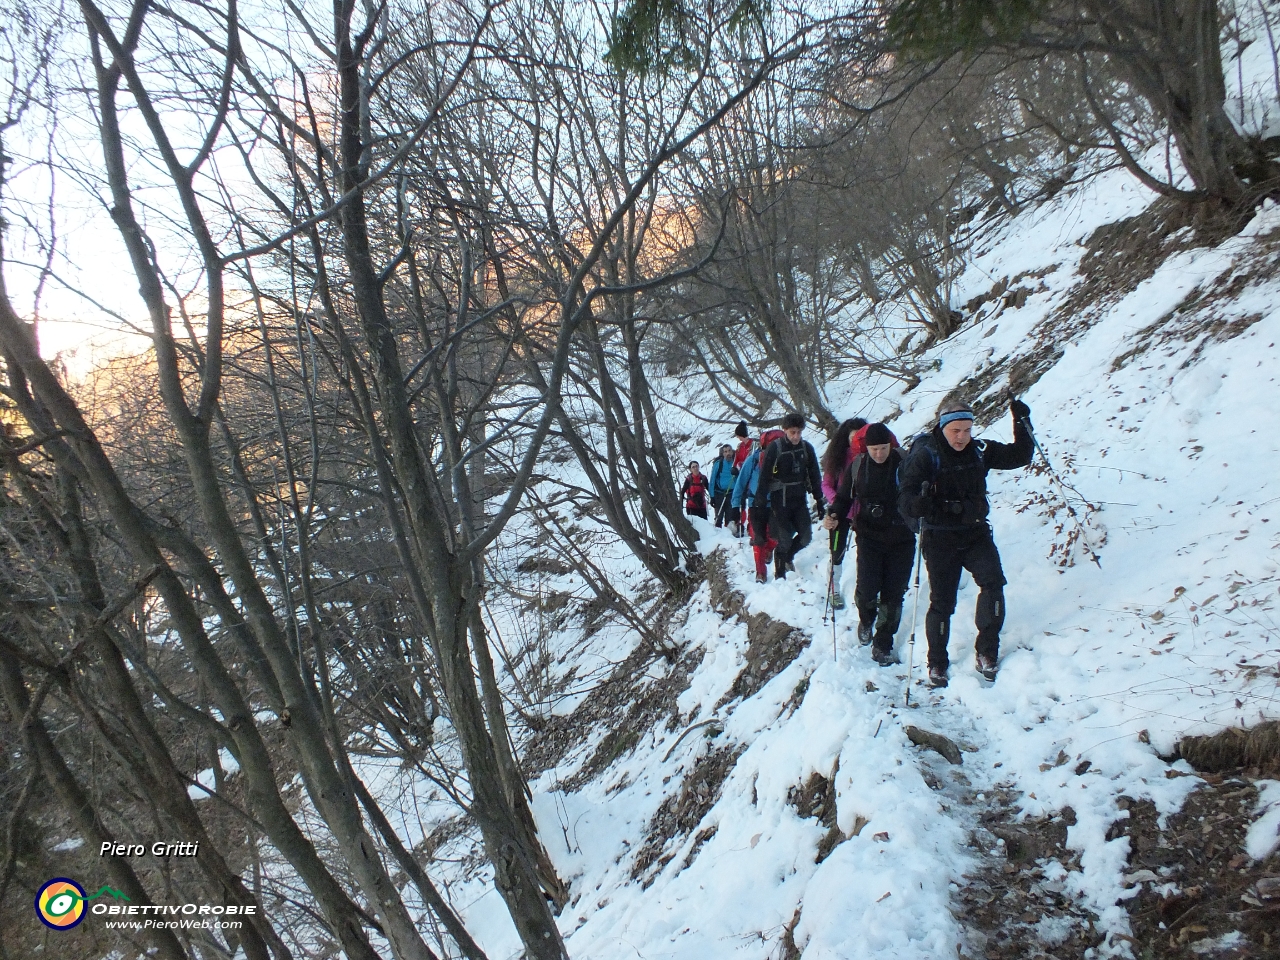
<point x="684" y="491"/>
<point x="844" y="492"/>
<point x="815" y="475"/>
<point x="915" y="472"/>
<point x="1010" y="456"/>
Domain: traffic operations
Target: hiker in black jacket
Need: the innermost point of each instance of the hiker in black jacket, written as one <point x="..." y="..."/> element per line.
<point x="886" y="545"/>
<point x="789" y="468"/>
<point x="943" y="484"/>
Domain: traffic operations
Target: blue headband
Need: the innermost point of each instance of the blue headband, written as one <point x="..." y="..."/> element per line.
<point x="954" y="415"/>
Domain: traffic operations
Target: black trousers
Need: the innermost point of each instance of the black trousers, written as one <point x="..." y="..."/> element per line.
<point x="947" y="551"/>
<point x="758" y="521"/>
<point x="792" y="527"/>
<point x="720" y="506"/>
<point x="884" y="571"/>
<point x="839" y="539"/>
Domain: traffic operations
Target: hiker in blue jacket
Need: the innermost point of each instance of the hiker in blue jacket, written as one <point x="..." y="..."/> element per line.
<point x="746" y="493"/>
<point x="722" y="483"/>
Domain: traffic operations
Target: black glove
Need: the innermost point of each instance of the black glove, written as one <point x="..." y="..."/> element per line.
<point x="1019" y="409"/>
<point x="923" y="504"/>
<point x="819" y="509"/>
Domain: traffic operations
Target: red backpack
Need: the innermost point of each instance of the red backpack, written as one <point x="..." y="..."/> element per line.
<point x="696" y="499"/>
<point x="767" y="438"/>
<point x="858" y="442"/>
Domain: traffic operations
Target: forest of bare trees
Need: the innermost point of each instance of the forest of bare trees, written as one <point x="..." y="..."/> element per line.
<point x="397" y="264"/>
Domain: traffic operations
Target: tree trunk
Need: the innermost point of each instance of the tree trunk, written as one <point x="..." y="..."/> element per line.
<point x="446" y="576"/>
<point x="74" y="800"/>
<point x="1170" y="52"/>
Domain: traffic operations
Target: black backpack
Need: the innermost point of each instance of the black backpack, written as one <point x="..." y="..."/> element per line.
<point x="791" y="466"/>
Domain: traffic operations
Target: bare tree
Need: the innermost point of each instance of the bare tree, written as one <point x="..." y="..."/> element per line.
<point x="371" y="311"/>
<point x="1167" y="51"/>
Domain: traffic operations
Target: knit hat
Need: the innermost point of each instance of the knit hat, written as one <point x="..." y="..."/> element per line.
<point x="876" y="435"/>
<point x="950" y="416"/>
<point x="741" y="429"/>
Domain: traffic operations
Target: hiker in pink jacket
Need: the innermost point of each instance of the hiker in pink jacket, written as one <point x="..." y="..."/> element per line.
<point x="838" y="456"/>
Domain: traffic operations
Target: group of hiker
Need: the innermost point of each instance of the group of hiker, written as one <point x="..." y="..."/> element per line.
<point x="928" y="501"/>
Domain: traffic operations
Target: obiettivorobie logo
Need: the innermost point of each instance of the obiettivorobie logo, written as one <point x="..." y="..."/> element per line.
<point x="61" y="905"/>
<point x="60" y="902"/>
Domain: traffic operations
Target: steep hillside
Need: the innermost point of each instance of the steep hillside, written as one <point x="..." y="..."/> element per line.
<point x="789" y="812"/>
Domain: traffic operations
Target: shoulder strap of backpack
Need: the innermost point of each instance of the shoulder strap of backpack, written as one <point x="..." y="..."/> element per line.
<point x="857" y="475"/>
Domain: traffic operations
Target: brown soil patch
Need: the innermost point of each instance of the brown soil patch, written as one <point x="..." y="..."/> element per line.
<point x="723" y="597"/>
<point x="628" y="694"/>
<point x="1011" y="908"/>
<point x="681" y="813"/>
<point x="816" y="798"/>
<point x="1118" y="257"/>
<point x="1203" y="314"/>
<point x="771" y="644"/>
<point x="1203" y="887"/>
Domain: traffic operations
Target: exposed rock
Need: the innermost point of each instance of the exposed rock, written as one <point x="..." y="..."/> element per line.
<point x="934" y="741"/>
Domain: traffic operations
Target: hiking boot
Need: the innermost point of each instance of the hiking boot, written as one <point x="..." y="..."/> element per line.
<point x="886" y="658"/>
<point x="791" y="566"/>
<point x="937" y="677"/>
<point x="864" y="633"/>
<point x="837" y="601"/>
<point x="735" y="528"/>
<point x="779" y="569"/>
<point x="761" y="578"/>
<point x="986" y="666"/>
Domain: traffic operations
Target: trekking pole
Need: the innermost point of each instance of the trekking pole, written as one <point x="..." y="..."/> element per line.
<point x="915" y="610"/>
<point x="831" y="589"/>
<point x="1063" y="485"/>
<point x="831" y="593"/>
<point x="827" y="604"/>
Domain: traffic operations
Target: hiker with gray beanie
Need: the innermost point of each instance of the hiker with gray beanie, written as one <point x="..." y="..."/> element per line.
<point x="943" y="486"/>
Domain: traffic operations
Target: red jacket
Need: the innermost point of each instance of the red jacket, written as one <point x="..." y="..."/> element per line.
<point x="694" y="492"/>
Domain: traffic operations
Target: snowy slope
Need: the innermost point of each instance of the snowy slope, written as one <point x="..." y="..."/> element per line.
<point x="1176" y="632"/>
<point x="1154" y="366"/>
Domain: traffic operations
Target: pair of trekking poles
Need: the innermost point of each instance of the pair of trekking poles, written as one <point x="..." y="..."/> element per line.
<point x="830" y="607"/>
